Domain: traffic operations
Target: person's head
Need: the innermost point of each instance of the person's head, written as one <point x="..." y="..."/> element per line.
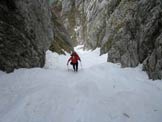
<point x="73" y="53"/>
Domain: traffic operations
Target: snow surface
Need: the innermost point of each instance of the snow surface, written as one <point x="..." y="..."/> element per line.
<point x="98" y="92"/>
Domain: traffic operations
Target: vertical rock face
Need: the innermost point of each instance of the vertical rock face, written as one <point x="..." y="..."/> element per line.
<point x="129" y="30"/>
<point x="62" y="41"/>
<point x="133" y="35"/>
<point x="151" y="41"/>
<point x="86" y="19"/>
<point x="69" y="16"/>
<point x="25" y="33"/>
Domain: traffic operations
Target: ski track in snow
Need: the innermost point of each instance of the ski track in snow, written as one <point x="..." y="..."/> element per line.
<point x="98" y="92"/>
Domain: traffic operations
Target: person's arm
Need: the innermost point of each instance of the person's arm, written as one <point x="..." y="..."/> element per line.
<point x="79" y="59"/>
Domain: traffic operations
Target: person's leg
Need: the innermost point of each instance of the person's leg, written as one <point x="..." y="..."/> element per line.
<point x="76" y="66"/>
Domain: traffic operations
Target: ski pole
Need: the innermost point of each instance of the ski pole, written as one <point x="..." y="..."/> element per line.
<point x="81" y="64"/>
<point x="68" y="67"/>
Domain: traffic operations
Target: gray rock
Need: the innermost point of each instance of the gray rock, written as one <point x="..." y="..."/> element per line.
<point x="62" y="41"/>
<point x="153" y="63"/>
<point x="138" y="26"/>
<point x="25" y="33"/>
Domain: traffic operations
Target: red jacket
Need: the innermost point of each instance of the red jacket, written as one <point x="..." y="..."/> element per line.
<point x="74" y="58"/>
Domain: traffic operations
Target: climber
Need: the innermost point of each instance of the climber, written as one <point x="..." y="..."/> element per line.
<point x="74" y="61"/>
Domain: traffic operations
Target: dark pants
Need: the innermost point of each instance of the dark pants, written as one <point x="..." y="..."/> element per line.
<point x="75" y="66"/>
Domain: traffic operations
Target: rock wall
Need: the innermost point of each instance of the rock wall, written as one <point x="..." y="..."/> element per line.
<point x="25" y="33"/>
<point x="62" y="41"/>
<point x="133" y="34"/>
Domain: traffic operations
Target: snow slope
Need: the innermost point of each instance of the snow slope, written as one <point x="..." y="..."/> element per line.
<point x="99" y="92"/>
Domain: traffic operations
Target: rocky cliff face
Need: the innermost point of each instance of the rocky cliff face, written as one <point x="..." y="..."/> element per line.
<point x="133" y="35"/>
<point x="62" y="41"/>
<point x="25" y="33"/>
<point x="129" y="30"/>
